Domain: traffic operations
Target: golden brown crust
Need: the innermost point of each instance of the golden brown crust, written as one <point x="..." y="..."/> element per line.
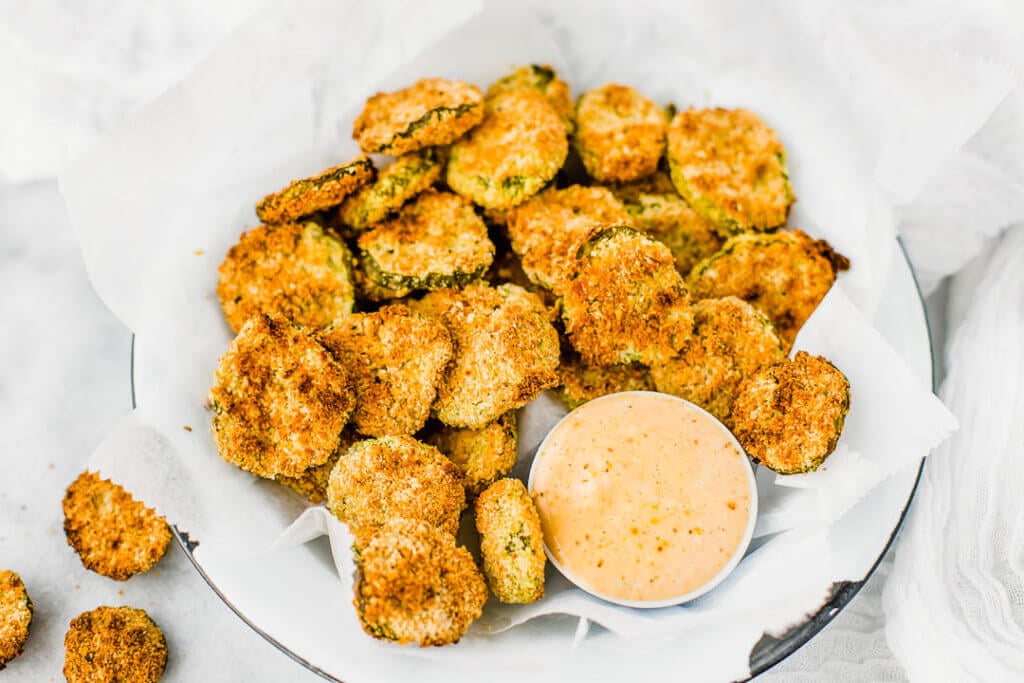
<point x="369" y="291"/>
<point x="582" y="382"/>
<point x="731" y="168"/>
<point x="312" y="483"/>
<point x="785" y="275"/>
<point x="395" y="477"/>
<point x="113" y="534"/>
<point x="316" y="193"/>
<point x="515" y="152"/>
<point x="396" y="359"/>
<point x="432" y="111"/>
<point x="620" y="134"/>
<point x="544" y="80"/>
<point x="511" y="542"/>
<point x="15" y="616"/>
<point x="731" y="340"/>
<point x="625" y="302"/>
<point x="280" y="400"/>
<point x="547" y="230"/>
<point x="482" y="455"/>
<point x="789" y="416"/>
<point x="405" y="178"/>
<point x="114" y="644"/>
<point x="505" y="351"/>
<point x="295" y="270"/>
<point x="414" y="585"/>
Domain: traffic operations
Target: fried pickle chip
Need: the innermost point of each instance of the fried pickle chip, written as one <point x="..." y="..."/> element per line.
<point x="784" y="274"/>
<point x="515" y="152"/>
<point x="369" y="291"/>
<point x="624" y="302"/>
<point x="312" y="483"/>
<point x="436" y="241"/>
<point x="114" y="644"/>
<point x="15" y="616"/>
<point x="431" y="112"/>
<point x="582" y="382"/>
<point x="656" y="208"/>
<point x="620" y="134"/>
<point x="395" y="477"/>
<point x="317" y="193"/>
<point x="482" y="455"/>
<point x="511" y="542"/>
<point x="789" y="416"/>
<point x="280" y="400"/>
<point x="547" y="230"/>
<point x="414" y="585"/>
<point x="544" y="80"/>
<point x="731" y="169"/>
<point x="396" y="359"/>
<point x="113" y="534"/>
<point x="405" y="178"/>
<point x="505" y="351"/>
<point x="295" y="270"/>
<point x="731" y="340"/>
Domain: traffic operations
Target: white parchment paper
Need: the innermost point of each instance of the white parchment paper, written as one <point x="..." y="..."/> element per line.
<point x="158" y="204"/>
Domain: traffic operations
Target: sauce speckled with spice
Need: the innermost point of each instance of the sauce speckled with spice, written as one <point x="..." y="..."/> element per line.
<point x="641" y="496"/>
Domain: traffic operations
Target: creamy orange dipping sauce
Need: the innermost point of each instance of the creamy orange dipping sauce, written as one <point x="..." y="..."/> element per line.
<point x="641" y="497"/>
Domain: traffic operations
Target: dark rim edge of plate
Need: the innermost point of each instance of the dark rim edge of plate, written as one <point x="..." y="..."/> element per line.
<point x="767" y="652"/>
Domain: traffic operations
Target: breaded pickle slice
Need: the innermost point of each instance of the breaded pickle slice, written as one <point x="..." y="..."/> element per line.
<point x="515" y="152"/>
<point x="482" y="455"/>
<point x="547" y="230"/>
<point x="505" y="351"/>
<point x="656" y="208"/>
<point x="785" y="275"/>
<point x="511" y="542"/>
<point x="113" y="534"/>
<point x="114" y="644"/>
<point x="317" y="193"/>
<point x="312" y="483"/>
<point x="582" y="382"/>
<point x="544" y="80"/>
<point x="789" y="416"/>
<point x="15" y="616"/>
<point x="625" y="302"/>
<point x="395" y="477"/>
<point x="731" y="340"/>
<point x="414" y="585"/>
<point x="280" y="400"/>
<point x="436" y="241"/>
<point x="295" y="270"/>
<point x="369" y="291"/>
<point x="431" y="112"/>
<point x="731" y="168"/>
<point x="620" y="134"/>
<point x="396" y="359"/>
<point x="405" y="178"/>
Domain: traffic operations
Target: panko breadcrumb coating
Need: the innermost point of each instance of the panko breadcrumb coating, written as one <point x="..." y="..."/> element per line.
<point x="789" y="416"/>
<point x="731" y="340"/>
<point x="505" y="351"/>
<point x="113" y="534"/>
<point x="15" y="616"/>
<point x="312" y="483"/>
<point x="369" y="291"/>
<point x="731" y="168"/>
<point x="784" y="274"/>
<point x="317" y="193"/>
<point x="395" y="477"/>
<point x="482" y="455"/>
<point x="582" y="382"/>
<point x="620" y="134"/>
<point x="396" y="359"/>
<point x="656" y="208"/>
<point x="511" y="542"/>
<point x="405" y="178"/>
<point x="515" y="152"/>
<point x="544" y="80"/>
<point x="414" y="585"/>
<point x="280" y="400"/>
<point x="120" y="644"/>
<point x="436" y="241"/>
<point x="547" y="230"/>
<point x="625" y="302"/>
<point x="432" y="111"/>
<point x="295" y="270"/>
